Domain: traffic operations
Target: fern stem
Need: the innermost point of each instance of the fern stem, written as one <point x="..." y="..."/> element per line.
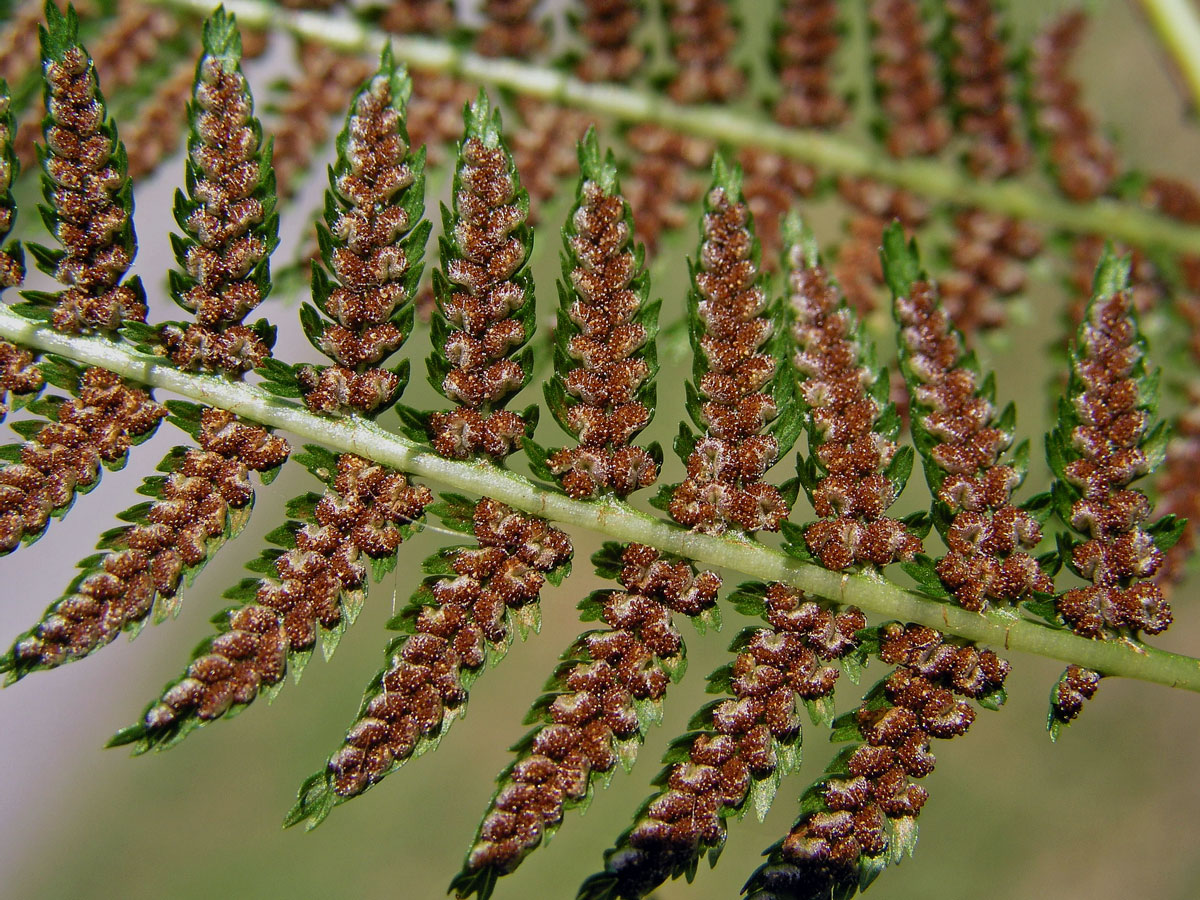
<point x="834" y="155"/>
<point x="1177" y="24"/>
<point x="613" y="518"/>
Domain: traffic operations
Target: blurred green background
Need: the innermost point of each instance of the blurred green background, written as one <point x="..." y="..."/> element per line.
<point x="1110" y="812"/>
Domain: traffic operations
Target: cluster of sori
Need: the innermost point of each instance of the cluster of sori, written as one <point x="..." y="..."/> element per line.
<point x="740" y="746"/>
<point x="363" y="287"/>
<point x="742" y="381"/>
<point x="205" y="496"/>
<point x="1106" y="438"/>
<point x="855" y="469"/>
<point x="703" y="36"/>
<point x="913" y="115"/>
<point x="477" y="596"/>
<point x="984" y="89"/>
<point x="962" y="435"/>
<point x="610" y="686"/>
<point x="932" y="77"/>
<point x="806" y="39"/>
<point x="604" y="395"/>
<point x="1082" y="160"/>
<point x="861" y="815"/>
<point x="104" y="416"/>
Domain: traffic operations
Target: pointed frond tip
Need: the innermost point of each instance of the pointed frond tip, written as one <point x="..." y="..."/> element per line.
<point x="964" y="439"/>
<point x="482" y="121"/>
<point x="221" y="37"/>
<point x="603" y="392"/>
<point x="901" y="260"/>
<point x="90" y="217"/>
<point x="1106" y="439"/>
<point x="597" y="165"/>
<point x="740" y="400"/>
<point x="727" y="176"/>
<point x="60" y="33"/>
<point x="228" y="218"/>
<point x="1112" y="273"/>
<point x="371" y="242"/>
<point x="799" y="241"/>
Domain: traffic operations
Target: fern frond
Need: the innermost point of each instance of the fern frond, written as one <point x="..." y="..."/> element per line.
<point x="455" y="623"/>
<point x="96" y="22"/>
<point x="1081" y="159"/>
<point x="319" y="586"/>
<point x="202" y="501"/>
<point x="1106" y="438"/>
<point x="88" y="192"/>
<point x="739" y="748"/>
<point x="618" y="519"/>
<point x="908" y="81"/>
<point x="861" y="816"/>
<point x="607" y="691"/>
<point x="982" y="90"/>
<point x="961" y="437"/>
<point x="372" y="242"/>
<point x="603" y="391"/>
<point x="601" y="701"/>
<point x="205" y="498"/>
<point x="228" y="216"/>
<point x="837" y="155"/>
<point x="742" y="379"/>
<point x="807" y="34"/>
<point x="867" y="113"/>
<point x="20" y="379"/>
<point x="62" y="458"/>
<point x="855" y="470"/>
<point x="485" y="310"/>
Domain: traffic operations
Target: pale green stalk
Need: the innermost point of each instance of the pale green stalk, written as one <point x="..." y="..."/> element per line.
<point x="613" y="518"/>
<point x="831" y="154"/>
<point x="1177" y="23"/>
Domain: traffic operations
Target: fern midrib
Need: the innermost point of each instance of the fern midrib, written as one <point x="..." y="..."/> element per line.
<point x="831" y="154"/>
<point x="1177" y="24"/>
<point x="610" y="517"/>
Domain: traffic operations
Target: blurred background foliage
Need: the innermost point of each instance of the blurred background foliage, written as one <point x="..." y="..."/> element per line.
<point x="1109" y="812"/>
